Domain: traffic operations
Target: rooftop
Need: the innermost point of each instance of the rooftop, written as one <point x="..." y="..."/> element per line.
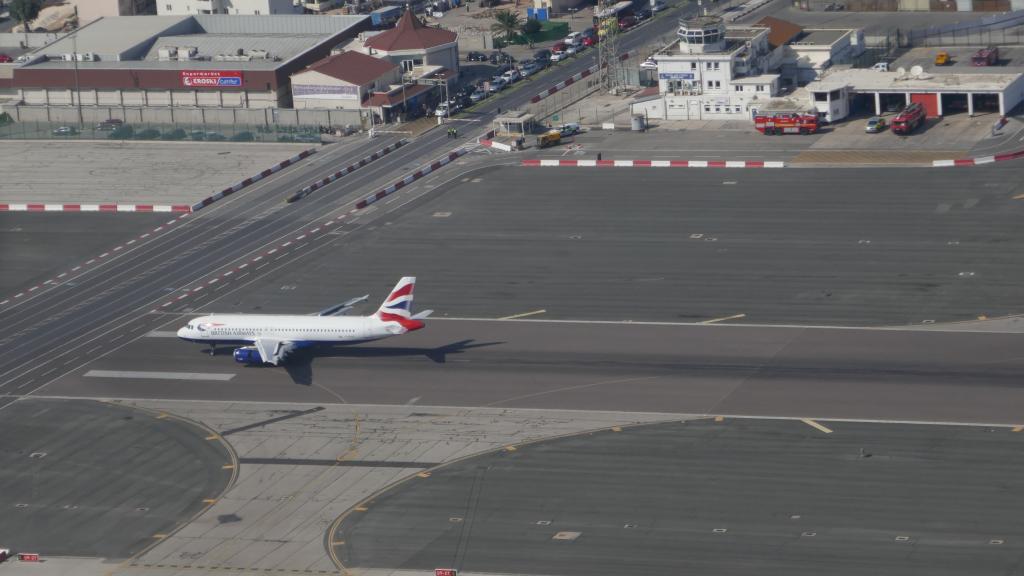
<point x="779" y="31"/>
<point x="410" y="34"/>
<point x="353" y="67"/>
<point x="118" y="42"/>
<point x="812" y="37"/>
<point x="862" y="79"/>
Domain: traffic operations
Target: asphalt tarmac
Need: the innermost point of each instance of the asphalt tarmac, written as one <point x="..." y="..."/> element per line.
<point x="83" y="478"/>
<point x="811" y="246"/>
<point x="705" y="497"/>
<point x="629" y="367"/>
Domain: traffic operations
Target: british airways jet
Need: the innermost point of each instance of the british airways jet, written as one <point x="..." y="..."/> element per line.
<point x="274" y="336"/>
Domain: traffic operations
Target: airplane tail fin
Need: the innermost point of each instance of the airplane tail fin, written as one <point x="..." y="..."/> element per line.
<point x="397" y="307"/>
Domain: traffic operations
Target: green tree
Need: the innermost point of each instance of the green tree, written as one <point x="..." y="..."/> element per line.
<point x="507" y="24"/>
<point x="531" y="28"/>
<point x="25" y="11"/>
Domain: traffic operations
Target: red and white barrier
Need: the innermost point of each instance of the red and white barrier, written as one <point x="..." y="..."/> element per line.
<point x="496" y="145"/>
<point x="655" y="163"/>
<point x="249" y="181"/>
<point x="347" y="170"/>
<point x="410" y="178"/>
<point x="980" y="159"/>
<point x="570" y="81"/>
<point x="42" y="207"/>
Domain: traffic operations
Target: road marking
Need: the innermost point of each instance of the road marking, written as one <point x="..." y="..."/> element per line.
<point x="1019" y="197"/>
<point x="814" y="424"/>
<point x="523" y="315"/>
<point x="228" y="467"/>
<point x="209" y="500"/>
<point x="158" y="375"/>
<point x="724" y="318"/>
<point x="162" y="334"/>
<point x="213" y="437"/>
<point x="1018" y="428"/>
<point x="616" y="428"/>
<point x="361" y="508"/>
<point x="719" y="418"/>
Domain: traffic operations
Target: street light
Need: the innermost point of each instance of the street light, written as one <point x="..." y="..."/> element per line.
<point x="572" y="13"/>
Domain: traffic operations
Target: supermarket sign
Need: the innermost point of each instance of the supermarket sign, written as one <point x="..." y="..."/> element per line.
<point x="211" y="79"/>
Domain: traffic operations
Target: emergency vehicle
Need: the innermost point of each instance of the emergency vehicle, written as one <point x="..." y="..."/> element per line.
<point x="786" y="123"/>
<point x="909" y="119"/>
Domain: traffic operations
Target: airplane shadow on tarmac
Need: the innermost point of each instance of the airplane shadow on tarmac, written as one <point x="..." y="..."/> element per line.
<point x="300" y="364"/>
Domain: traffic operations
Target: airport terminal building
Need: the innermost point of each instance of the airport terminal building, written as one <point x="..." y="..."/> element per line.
<point x="206" y="60"/>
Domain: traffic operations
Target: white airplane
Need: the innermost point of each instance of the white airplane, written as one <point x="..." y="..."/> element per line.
<point x="274" y="336"/>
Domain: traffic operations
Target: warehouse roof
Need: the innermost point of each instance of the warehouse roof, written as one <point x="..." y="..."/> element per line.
<point x="874" y="80"/>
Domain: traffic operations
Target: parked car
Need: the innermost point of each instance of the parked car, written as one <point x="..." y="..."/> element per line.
<point x="6" y="59"/>
<point x="570" y="129"/>
<point x="109" y="125"/>
<point x="528" y="68"/>
<point x="478" y="95"/>
<point x="476" y="57"/>
<point x="658" y="6"/>
<point x="643" y="14"/>
<point x="65" y="131"/>
<point x="558" y="56"/>
<point x="942" y="58"/>
<point x="590" y="41"/>
<point x="649" y="64"/>
<point x="627" y="21"/>
<point x="497" y="84"/>
<point x="571" y="50"/>
<point x="542" y="55"/>
<point x="511" y="75"/>
<point x="574" y="38"/>
<point x="875" y="124"/>
<point x="559" y="47"/>
<point x="441" y="110"/>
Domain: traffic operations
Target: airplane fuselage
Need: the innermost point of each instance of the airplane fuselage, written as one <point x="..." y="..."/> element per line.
<point x="241" y="328"/>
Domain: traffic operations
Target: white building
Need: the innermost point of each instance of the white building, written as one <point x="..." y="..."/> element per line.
<point x="843" y="92"/>
<point x="719" y="73"/>
<point x="250" y="7"/>
<point x="711" y="73"/>
<point x="343" y="81"/>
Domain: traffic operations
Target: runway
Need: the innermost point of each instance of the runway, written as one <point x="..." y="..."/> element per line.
<point x="691" y="369"/>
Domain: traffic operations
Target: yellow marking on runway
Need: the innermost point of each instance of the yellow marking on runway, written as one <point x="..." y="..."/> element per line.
<point x="510" y="448"/>
<point x="209" y="500"/>
<point x="523" y="315"/>
<point x="339" y="543"/>
<point x="616" y="428"/>
<point x="228" y="467"/>
<point x="212" y="437"/>
<point x="1018" y="428"/>
<point x="1019" y="197"/>
<point x="724" y="318"/>
<point x="159" y="536"/>
<point x="161" y="416"/>
<point x="814" y="424"/>
<point x="361" y="508"/>
<point x="719" y="418"/>
<point x="982" y="317"/>
<point x="424" y="474"/>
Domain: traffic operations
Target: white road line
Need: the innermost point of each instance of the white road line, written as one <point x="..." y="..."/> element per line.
<point x="162" y="334"/>
<point x="141" y="375"/>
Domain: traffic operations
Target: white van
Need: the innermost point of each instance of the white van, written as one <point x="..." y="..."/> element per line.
<point x="574" y="38"/>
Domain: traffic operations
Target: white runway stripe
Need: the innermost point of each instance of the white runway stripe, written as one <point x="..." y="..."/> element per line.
<point x="158" y="375"/>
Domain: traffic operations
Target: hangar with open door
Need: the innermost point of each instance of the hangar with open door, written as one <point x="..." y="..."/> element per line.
<point x="953" y="103"/>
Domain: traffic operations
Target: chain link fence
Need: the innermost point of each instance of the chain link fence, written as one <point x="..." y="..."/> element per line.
<point x="163" y="132"/>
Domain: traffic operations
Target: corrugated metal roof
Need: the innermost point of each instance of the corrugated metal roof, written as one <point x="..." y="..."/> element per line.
<point x="275" y="24"/>
<point x="283" y="46"/>
<point x="111" y="38"/>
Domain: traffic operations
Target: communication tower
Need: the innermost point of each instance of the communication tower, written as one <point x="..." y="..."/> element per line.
<point x="606" y="24"/>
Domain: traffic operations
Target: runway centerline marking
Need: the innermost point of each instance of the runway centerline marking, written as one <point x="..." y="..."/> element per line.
<point x="142" y="375"/>
<point x="523" y="315"/>
<point x="814" y="424"/>
<point x="724" y="318"/>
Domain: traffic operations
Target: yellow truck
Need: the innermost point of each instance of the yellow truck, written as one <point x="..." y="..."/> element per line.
<point x="549" y="138"/>
<point x="942" y="58"/>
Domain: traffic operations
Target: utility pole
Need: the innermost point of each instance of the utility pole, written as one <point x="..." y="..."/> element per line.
<point x="74" y="60"/>
<point x="608" y="44"/>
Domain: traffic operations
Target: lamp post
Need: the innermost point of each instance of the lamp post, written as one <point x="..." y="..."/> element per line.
<point x="74" y="60"/>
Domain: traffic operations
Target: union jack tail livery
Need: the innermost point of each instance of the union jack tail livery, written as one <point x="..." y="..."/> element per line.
<point x="396" y="311"/>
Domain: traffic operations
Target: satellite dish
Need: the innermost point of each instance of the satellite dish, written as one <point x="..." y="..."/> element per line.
<point x="916" y="70"/>
<point x="901" y="72"/>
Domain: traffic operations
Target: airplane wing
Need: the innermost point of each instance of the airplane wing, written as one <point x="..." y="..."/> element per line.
<point x="273" y="351"/>
<point x="339" y="309"/>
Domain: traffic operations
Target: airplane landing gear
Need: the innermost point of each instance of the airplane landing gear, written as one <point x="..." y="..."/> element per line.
<point x="213" y="348"/>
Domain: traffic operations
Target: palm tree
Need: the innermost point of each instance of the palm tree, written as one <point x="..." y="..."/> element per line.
<point x="507" y="24"/>
<point x="531" y="28"/>
<point x="25" y="11"/>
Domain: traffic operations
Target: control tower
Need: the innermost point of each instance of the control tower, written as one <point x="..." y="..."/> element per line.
<point x="701" y="35"/>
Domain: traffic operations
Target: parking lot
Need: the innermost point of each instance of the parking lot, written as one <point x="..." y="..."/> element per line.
<point x="1011" y="60"/>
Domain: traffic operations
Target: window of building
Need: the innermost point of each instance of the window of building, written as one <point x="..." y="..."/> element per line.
<point x="407" y="65"/>
<point x="693" y="65"/>
<point x="718" y="108"/>
<point x="170" y="8"/>
<point x="718" y="84"/>
<point x="716" y="65"/>
<point x="760" y="87"/>
<point x="738" y="87"/>
<point x="256" y="12"/>
<point x="821" y="96"/>
<point x="709" y="84"/>
<point x="737" y="109"/>
<point x="707" y="107"/>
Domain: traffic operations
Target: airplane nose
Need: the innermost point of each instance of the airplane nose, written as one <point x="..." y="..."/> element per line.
<point x="181" y="333"/>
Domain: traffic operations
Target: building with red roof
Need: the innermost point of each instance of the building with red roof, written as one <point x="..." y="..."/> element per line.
<point x="343" y="81"/>
<point x="417" y="48"/>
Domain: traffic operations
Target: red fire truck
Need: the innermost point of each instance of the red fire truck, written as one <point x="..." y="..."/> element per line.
<point x="986" y="57"/>
<point x="786" y="123"/>
<point x="909" y="119"/>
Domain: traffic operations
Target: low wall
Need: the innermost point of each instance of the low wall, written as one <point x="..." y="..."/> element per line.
<point x="187" y="116"/>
